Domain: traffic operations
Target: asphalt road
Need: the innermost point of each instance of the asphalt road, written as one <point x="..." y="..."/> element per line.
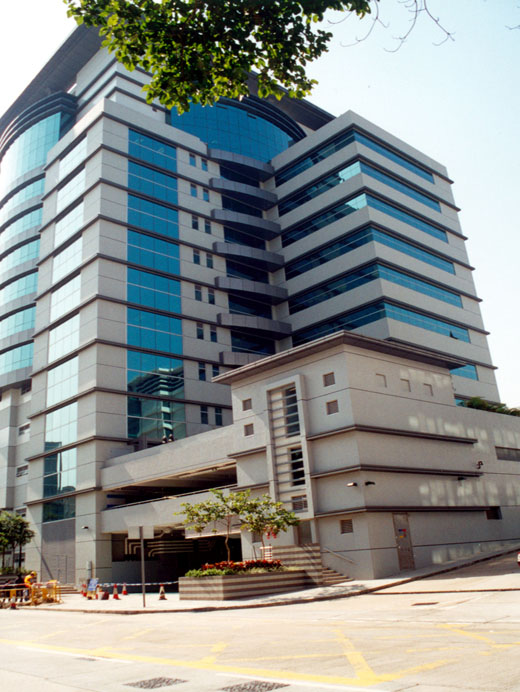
<point x="455" y="632"/>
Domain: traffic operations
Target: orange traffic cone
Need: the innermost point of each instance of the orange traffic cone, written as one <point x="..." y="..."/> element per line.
<point x="162" y="595"/>
<point x="124" y="592"/>
<point x="115" y="595"/>
<point x="84" y="590"/>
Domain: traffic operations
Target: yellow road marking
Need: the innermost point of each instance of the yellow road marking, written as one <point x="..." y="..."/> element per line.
<point x="139" y="633"/>
<point x="49" y="635"/>
<point x="108" y="653"/>
<point x="470" y="635"/>
<point x="215" y="649"/>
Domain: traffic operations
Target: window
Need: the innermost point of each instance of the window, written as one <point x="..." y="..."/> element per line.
<point x="290" y="403"/>
<point x="299" y="503"/>
<point x="193" y="160"/>
<point x="59" y="473"/>
<point x="204" y="419"/>
<point x="205" y="194"/>
<point x="156" y="418"/>
<point x="153" y="252"/>
<point x="209" y="260"/>
<point x="494" y="513"/>
<point x="61" y="426"/>
<point x="70" y="191"/>
<point x="68" y="225"/>
<point x="507" y="454"/>
<point x="153" y="291"/>
<point x="329" y="379"/>
<point x="63" y="508"/>
<point x="16" y="358"/>
<point x="153" y="375"/>
<point x="332" y="407"/>
<point x="62" y="382"/>
<point x="247" y="404"/>
<point x="215" y="371"/>
<point x="196" y="256"/>
<point x="249" y="429"/>
<point x="198" y="292"/>
<point x="193" y="190"/>
<point x="202" y="372"/>
<point x="213" y="334"/>
<point x="64" y="338"/>
<point x="153" y="216"/>
<point x="67" y="260"/>
<point x="195" y="223"/>
<point x="66" y="298"/>
<point x="346" y="526"/>
<point x="211" y="296"/>
<point x="152" y="150"/>
<point x="200" y="330"/>
<point x="207" y="226"/>
<point x="152" y="183"/>
<point x="22" y="471"/>
<point x="297" y="470"/>
<point x="69" y="162"/>
<point x="24" y="429"/>
<point x="204" y="164"/>
<point x="218" y="415"/>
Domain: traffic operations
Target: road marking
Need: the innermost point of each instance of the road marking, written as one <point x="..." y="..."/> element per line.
<point x="368" y="680"/>
<point x="49" y="635"/>
<point x="138" y="634"/>
<point x="215" y="649"/>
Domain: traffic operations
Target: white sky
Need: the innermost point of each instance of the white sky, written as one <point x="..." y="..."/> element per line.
<point x="458" y="102"/>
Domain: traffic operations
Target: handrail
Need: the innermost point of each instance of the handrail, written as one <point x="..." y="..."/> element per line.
<point x="328" y="550"/>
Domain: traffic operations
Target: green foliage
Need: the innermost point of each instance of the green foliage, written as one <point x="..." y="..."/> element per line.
<point x="201" y="50"/>
<point x="483" y="405"/>
<point x="261" y="515"/>
<point x="15" y="532"/>
<point x="245" y="567"/>
<point x="214" y="572"/>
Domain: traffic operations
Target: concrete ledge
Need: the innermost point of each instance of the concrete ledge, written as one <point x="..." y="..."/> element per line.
<point x="233" y="586"/>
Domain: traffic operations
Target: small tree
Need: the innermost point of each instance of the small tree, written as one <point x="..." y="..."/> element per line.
<point x="15" y="532"/>
<point x="224" y="508"/>
<point x="261" y="515"/>
<point x="267" y="517"/>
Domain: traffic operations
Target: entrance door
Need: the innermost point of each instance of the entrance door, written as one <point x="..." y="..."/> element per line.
<point x="403" y="541"/>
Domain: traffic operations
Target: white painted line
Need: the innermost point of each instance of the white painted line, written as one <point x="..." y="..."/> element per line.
<point x="78" y="655"/>
<point x="314" y="685"/>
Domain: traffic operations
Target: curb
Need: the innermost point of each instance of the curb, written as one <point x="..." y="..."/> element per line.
<point x="313" y="599"/>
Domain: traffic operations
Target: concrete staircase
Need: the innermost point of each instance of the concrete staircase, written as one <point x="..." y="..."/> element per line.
<point x="69" y="589"/>
<point x="331" y="578"/>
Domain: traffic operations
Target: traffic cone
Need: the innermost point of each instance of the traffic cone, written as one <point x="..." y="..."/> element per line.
<point x="162" y="595"/>
<point x="115" y="595"/>
<point x="84" y="590"/>
<point x="124" y="592"/>
<point x="98" y="589"/>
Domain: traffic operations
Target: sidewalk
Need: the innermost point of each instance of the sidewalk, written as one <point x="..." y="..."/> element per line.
<point x="506" y="579"/>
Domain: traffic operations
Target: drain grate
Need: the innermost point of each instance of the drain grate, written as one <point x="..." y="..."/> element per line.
<point x="255" y="686"/>
<point x="154" y="683"/>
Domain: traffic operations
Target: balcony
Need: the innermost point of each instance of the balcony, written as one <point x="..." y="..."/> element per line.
<point x="267" y="230"/>
<point x="253" y="289"/>
<point x="263" y="325"/>
<point x="271" y="261"/>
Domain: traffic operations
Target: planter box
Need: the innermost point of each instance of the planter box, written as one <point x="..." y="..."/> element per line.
<point x="233" y="586"/>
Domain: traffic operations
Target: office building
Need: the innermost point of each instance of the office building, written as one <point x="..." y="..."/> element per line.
<point x="143" y="254"/>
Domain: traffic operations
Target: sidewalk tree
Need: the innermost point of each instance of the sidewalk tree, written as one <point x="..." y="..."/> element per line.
<point x="261" y="515"/>
<point x="15" y="532"/>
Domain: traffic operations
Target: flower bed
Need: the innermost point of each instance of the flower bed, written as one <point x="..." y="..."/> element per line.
<point x="217" y="569"/>
<point x="244" y="584"/>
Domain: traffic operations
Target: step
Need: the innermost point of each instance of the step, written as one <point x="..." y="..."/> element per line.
<point x="331" y="578"/>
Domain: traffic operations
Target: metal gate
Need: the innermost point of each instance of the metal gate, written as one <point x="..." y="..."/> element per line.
<point x="403" y="541"/>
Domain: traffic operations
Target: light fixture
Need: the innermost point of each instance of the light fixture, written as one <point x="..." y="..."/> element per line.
<point x="351" y="485"/>
<point x="369" y="483"/>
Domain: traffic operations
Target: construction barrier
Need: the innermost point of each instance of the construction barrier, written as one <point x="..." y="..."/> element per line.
<point x="32" y="594"/>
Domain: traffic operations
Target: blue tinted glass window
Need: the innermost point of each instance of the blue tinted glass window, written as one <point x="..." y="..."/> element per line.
<point x="15" y="358"/>
<point x="63" y="508"/>
<point x="468" y="370"/>
<point x="153" y="291"/>
<point x="400" y="187"/>
<point x="233" y="236"/>
<point x="324" y="219"/>
<point x="410" y="219"/>
<point x="17" y="323"/>
<point x="415" y="284"/>
<point x="244" y="271"/>
<point x="59" y="473"/>
<point x="153" y="217"/>
<point x="319" y="187"/>
<point x="152" y="150"/>
<point x="233" y="129"/>
<point x="156" y="418"/>
<point x="30" y="191"/>
<point x="20" y="287"/>
<point x="243" y="306"/>
<point x="22" y="254"/>
<point x="345" y="245"/>
<point x="244" y="343"/>
<point x="153" y="252"/>
<point x="29" y="150"/>
<point x="241" y="207"/>
<point x="31" y="220"/>
<point x="342" y="140"/>
<point x="155" y="375"/>
<point x="152" y="183"/>
<point x="151" y="330"/>
<point x="378" y="311"/>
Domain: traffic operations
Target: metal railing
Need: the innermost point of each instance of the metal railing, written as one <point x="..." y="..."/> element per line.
<point x="332" y="552"/>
